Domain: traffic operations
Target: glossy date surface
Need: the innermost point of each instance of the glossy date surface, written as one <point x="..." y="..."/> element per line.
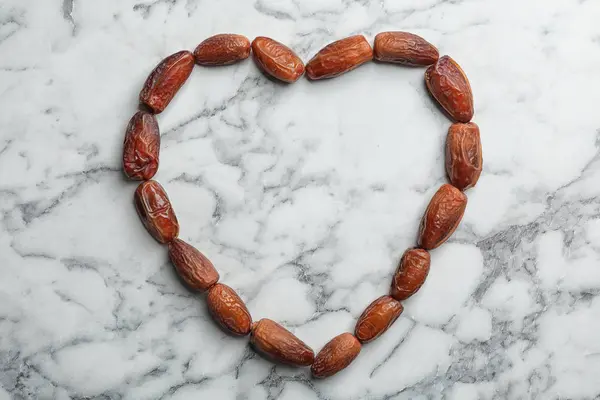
<point x="377" y="318"/>
<point x="442" y="216"/>
<point x="277" y="60"/>
<point x="339" y="57"/>
<point x="165" y="80"/>
<point x="464" y="159"/>
<point x="404" y="48"/>
<point x="141" y="147"/>
<point x="449" y="85"/>
<point x="222" y="49"/>
<point x="411" y="273"/>
<point x="229" y="310"/>
<point x="279" y="344"/>
<point x="155" y="211"/>
<point x="336" y="355"/>
<point x="194" y="269"/>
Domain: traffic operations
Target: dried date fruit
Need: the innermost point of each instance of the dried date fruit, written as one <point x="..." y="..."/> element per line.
<point x="443" y="214"/>
<point x="336" y="355"/>
<point x="196" y="271"/>
<point x="449" y="85"/>
<point x="277" y="60"/>
<point x="339" y="57"/>
<point x="155" y="211"/>
<point x="411" y="273"/>
<point x="165" y="80"/>
<point x="377" y="318"/>
<point x="222" y="49"/>
<point x="228" y="309"/>
<point x="141" y="147"/>
<point x="404" y="48"/>
<point x="279" y="344"/>
<point x="463" y="155"/>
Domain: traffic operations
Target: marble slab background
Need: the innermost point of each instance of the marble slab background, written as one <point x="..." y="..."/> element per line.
<point x="304" y="196"/>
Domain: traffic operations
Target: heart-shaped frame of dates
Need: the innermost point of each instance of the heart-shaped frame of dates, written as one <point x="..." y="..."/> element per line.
<point x="445" y="81"/>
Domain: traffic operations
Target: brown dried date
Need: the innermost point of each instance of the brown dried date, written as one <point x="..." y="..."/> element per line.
<point x="279" y="344"/>
<point x="165" y="80"/>
<point x="277" y="60"/>
<point x="336" y="355"/>
<point x="449" y="85"/>
<point x="196" y="271"/>
<point x="222" y="49"/>
<point x="141" y="147"/>
<point x="339" y="57"/>
<point x="155" y="211"/>
<point x="443" y="214"/>
<point x="404" y="48"/>
<point x="411" y="273"/>
<point x="228" y="309"/>
<point x="463" y="155"/>
<point x="377" y="318"/>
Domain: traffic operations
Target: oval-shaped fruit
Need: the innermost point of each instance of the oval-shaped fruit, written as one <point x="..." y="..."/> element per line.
<point x="443" y="214"/>
<point x="277" y="60"/>
<point x="155" y="211"/>
<point x="339" y="57"/>
<point x="377" y="318"/>
<point x="165" y="80"/>
<point x="449" y="85"/>
<point x="141" y="147"/>
<point x="411" y="273"/>
<point x="404" y="48"/>
<point x="228" y="309"/>
<point x="196" y="271"/>
<point x="464" y="159"/>
<point x="336" y="355"/>
<point x="222" y="49"/>
<point x="279" y="344"/>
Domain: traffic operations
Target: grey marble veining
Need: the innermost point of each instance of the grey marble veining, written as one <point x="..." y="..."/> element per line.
<point x="304" y="196"/>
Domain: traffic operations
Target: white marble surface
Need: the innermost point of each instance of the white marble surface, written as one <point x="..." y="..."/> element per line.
<point x="304" y="196"/>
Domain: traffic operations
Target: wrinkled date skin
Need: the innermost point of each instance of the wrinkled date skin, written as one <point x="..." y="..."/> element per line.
<point x="195" y="270"/>
<point x="464" y="159"/>
<point x="155" y="211"/>
<point x="277" y="60"/>
<point x="166" y="80"/>
<point x="377" y="318"/>
<point x="449" y="85"/>
<point x="339" y="57"/>
<point x="141" y="147"/>
<point x="336" y="355"/>
<point x="443" y="214"/>
<point x="222" y="49"/>
<point x="404" y="48"/>
<point x="279" y="344"/>
<point x="411" y="273"/>
<point x="228" y="309"/>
